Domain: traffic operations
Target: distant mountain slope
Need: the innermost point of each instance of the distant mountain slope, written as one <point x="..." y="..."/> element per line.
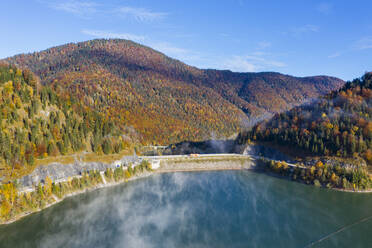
<point x="165" y="100"/>
<point x="269" y="92"/>
<point x="339" y="124"/>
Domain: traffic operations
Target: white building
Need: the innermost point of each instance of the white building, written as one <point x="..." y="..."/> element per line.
<point x="155" y="164"/>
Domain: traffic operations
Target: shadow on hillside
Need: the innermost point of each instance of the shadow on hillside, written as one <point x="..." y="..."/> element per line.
<point x="200" y="147"/>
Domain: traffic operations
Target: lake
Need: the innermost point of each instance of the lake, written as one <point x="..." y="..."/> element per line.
<point x="199" y="209"/>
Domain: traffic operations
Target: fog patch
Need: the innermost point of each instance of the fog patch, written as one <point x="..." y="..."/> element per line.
<point x="147" y="215"/>
<point x="247" y="124"/>
<point x="209" y="209"/>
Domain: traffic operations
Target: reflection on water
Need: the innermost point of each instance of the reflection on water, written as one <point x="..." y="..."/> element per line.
<point x="206" y="209"/>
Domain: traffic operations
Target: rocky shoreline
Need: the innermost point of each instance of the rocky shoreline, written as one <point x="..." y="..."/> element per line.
<point x="185" y="164"/>
<point x="103" y="185"/>
<point x="58" y="172"/>
<point x="166" y="166"/>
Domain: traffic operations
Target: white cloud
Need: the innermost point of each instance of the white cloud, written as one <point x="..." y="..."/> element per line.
<point x="238" y="63"/>
<point x="364" y="43"/>
<point x="85" y="8"/>
<point x="334" y="55"/>
<point x="256" y="61"/>
<point x="251" y="63"/>
<point x="185" y="55"/>
<point x="361" y="44"/>
<point x="168" y="48"/>
<point x="112" y="35"/>
<point x="164" y="47"/>
<point x="264" y="44"/>
<point x="324" y="8"/>
<point x="299" y="31"/>
<point x="81" y="8"/>
<point x="140" y="14"/>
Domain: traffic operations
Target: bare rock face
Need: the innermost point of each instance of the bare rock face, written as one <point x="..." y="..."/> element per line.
<point x="61" y="172"/>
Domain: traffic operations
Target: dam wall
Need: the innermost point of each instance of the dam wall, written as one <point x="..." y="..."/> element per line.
<point x="205" y="163"/>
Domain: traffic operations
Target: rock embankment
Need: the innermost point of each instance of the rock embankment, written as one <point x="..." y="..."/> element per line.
<point x="61" y="172"/>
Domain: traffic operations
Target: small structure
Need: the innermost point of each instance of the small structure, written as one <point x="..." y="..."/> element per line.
<point x="117" y="163"/>
<point x="155" y="164"/>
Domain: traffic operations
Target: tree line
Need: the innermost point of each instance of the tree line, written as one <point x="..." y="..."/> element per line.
<point x="338" y="124"/>
<point x="14" y="203"/>
<point x="37" y="122"/>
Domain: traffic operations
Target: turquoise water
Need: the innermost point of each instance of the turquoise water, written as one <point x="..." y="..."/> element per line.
<point x="199" y="209"/>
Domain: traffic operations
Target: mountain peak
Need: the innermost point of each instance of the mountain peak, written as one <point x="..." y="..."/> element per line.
<point x="135" y="84"/>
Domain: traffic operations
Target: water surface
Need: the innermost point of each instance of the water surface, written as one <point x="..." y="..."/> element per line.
<point x="199" y="209"/>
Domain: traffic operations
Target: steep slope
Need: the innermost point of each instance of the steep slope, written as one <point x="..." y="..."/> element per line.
<point x="339" y="124"/>
<point x="163" y="99"/>
<point x="36" y="122"/>
<point x="258" y="94"/>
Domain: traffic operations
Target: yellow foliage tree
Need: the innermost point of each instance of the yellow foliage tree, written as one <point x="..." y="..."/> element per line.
<point x="319" y="164"/>
<point x="127" y="174"/>
<point x="334" y="178"/>
<point x="8" y="88"/>
<point x="312" y="170"/>
<point x="48" y="186"/>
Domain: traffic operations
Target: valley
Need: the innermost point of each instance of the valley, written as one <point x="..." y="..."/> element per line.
<point x="90" y="105"/>
<point x="146" y="124"/>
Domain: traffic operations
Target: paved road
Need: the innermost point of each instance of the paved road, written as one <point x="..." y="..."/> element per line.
<point x="198" y="156"/>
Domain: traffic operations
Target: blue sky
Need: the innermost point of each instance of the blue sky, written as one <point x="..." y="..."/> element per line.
<point x="300" y="38"/>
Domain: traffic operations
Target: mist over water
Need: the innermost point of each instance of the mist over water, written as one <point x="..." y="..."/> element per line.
<point x="203" y="209"/>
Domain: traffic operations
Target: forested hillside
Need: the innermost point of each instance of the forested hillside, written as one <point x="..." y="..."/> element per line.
<point x="36" y="122"/>
<point x="339" y="124"/>
<point x="165" y="100"/>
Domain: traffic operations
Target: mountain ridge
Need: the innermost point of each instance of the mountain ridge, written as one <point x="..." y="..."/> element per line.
<point x="182" y="101"/>
<point x="338" y="124"/>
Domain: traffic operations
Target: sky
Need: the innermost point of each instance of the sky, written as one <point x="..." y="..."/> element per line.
<point x="298" y="37"/>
